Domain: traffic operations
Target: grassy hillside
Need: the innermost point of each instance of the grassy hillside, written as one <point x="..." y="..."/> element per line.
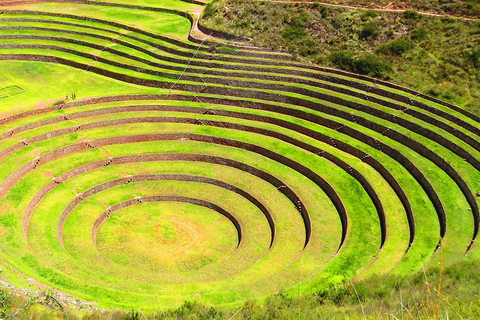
<point x="435" y="55"/>
<point x="464" y="8"/>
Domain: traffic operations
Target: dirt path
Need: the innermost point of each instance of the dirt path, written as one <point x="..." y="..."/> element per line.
<point x="387" y="8"/>
<point x="200" y="35"/>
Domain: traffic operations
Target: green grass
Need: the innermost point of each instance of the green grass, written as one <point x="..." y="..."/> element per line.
<point x="170" y="252"/>
<point x="139" y="128"/>
<point x="30" y="75"/>
<point x="156" y="22"/>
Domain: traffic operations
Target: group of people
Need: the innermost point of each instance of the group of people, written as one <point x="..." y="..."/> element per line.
<point x="73" y="96"/>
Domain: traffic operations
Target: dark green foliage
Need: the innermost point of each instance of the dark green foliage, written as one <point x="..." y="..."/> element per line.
<point x="343" y="59"/>
<point x="210" y="10"/>
<point x="5" y="303"/>
<point x="473" y="106"/>
<point x="369" y="14"/>
<point x="194" y="311"/>
<point x="294" y="33"/>
<point x="448" y="20"/>
<point x="132" y="315"/>
<point x="475" y="58"/>
<point x="396" y="47"/>
<point x="324" y="11"/>
<point x="370" y="30"/>
<point x="419" y="34"/>
<point x="307" y="46"/>
<point x="411" y="14"/>
<point x="370" y="64"/>
<point x="473" y="8"/>
<point x="295" y="28"/>
<point x="373" y="66"/>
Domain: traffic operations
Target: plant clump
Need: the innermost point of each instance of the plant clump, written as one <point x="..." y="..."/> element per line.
<point x="395" y="47"/>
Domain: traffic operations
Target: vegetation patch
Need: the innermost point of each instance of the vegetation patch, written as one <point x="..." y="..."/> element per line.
<point x="170" y="173"/>
<point x="443" y="54"/>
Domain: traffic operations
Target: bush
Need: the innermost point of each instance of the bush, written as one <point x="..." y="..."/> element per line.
<point x="132" y="315"/>
<point x="473" y="106"/>
<point x="448" y="20"/>
<point x="307" y="47"/>
<point x="368" y="14"/>
<point x="396" y="47"/>
<point x="325" y="12"/>
<point x="370" y="30"/>
<point x="411" y="14"/>
<point x="373" y="66"/>
<point x="210" y="10"/>
<point x="419" y="34"/>
<point x="296" y="26"/>
<point x="475" y="57"/>
<point x="294" y="33"/>
<point x="370" y="65"/>
<point x="343" y="60"/>
<point x="194" y="310"/>
<point x="5" y="303"/>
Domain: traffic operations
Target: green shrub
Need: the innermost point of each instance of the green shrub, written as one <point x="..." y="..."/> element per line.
<point x="370" y="30"/>
<point x="308" y="47"/>
<point x="343" y="60"/>
<point x="475" y="58"/>
<point x="373" y="66"/>
<point x="294" y="33"/>
<point x="411" y="14"/>
<point x="370" y="65"/>
<point x="132" y="315"/>
<point x="194" y="310"/>
<point x="396" y="47"/>
<point x="5" y="303"/>
<point x="295" y="28"/>
<point x="299" y="20"/>
<point x="419" y="34"/>
<point x="473" y="106"/>
<point x="325" y="12"/>
<point x="210" y="10"/>
<point x="448" y="20"/>
<point x="368" y="14"/>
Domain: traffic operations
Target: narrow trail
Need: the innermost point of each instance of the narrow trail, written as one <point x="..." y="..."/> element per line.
<point x="386" y="8"/>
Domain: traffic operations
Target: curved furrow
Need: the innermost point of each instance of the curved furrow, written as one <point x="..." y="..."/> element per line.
<point x="162" y="177"/>
<point x="280" y="185"/>
<point x="264" y="55"/>
<point x="326" y="97"/>
<point x="221" y="124"/>
<point x="333" y="71"/>
<point x="425" y="118"/>
<point x="320" y="137"/>
<point x="104" y="216"/>
<point x="356" y="106"/>
<point x="300" y="102"/>
<point x="318" y="174"/>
